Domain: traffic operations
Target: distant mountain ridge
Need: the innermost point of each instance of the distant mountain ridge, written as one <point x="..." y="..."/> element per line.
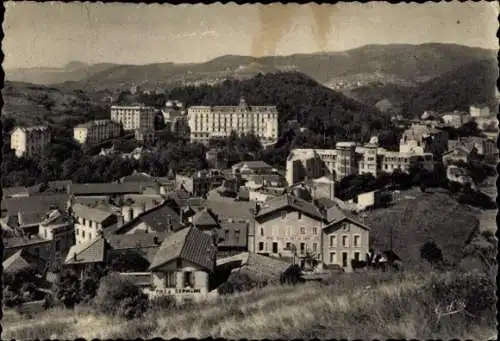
<point x="396" y="63"/>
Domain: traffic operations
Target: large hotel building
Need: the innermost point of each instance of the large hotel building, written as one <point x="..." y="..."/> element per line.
<point x="207" y="122"/>
<point x="96" y="131"/>
<point x="30" y="141"/>
<point x="134" y="116"/>
<point x="419" y="146"/>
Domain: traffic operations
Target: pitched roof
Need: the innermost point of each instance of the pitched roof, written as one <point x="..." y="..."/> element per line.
<point x="233" y="234"/>
<point x="30" y="218"/>
<point x="162" y="218"/>
<point x="39" y="203"/>
<point x="190" y="244"/>
<point x="325" y="203"/>
<point x="17" y="241"/>
<point x="335" y="215"/>
<point x="23" y="259"/>
<point x="137" y="240"/>
<point x="90" y="213"/>
<point x="290" y="201"/>
<point x="9" y="191"/>
<point x="137" y="177"/>
<point x="235" y="210"/>
<point x="205" y="217"/>
<point x="90" y="252"/>
<point x="252" y="164"/>
<point x="106" y="188"/>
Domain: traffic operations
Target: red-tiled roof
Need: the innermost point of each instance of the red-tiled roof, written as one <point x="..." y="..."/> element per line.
<point x="90" y="252"/>
<point x="38" y="203"/>
<point x="232" y="234"/>
<point x="289" y="201"/>
<point x="205" y="217"/>
<point x="190" y="244"/>
<point x="23" y="259"/>
<point x="160" y="219"/>
<point x="105" y="188"/>
<point x="90" y="213"/>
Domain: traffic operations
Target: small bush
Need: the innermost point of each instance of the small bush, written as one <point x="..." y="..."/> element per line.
<point x="239" y="282"/>
<point x="292" y="275"/>
<point x="163" y="303"/>
<point x="118" y="296"/>
<point x="68" y="288"/>
<point x="431" y="253"/>
<point x="475" y="290"/>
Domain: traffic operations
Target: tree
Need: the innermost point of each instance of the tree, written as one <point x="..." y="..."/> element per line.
<point x="292" y="275"/>
<point x="68" y="288"/>
<point x="118" y="296"/>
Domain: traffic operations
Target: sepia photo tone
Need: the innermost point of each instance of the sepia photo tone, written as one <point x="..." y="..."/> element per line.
<point x="249" y="171"/>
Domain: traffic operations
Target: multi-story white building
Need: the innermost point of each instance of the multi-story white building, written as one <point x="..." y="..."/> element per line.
<point x="207" y="122"/>
<point x="134" y="116"/>
<point x="420" y="139"/>
<point x="30" y="141"/>
<point x="456" y="119"/>
<point x="348" y="159"/>
<point x="479" y="110"/>
<point x="315" y="163"/>
<point x="96" y="131"/>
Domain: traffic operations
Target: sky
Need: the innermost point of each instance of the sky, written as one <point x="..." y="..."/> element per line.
<point x="51" y="34"/>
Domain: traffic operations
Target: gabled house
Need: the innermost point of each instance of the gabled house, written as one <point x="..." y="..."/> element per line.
<point x="343" y="239"/>
<point x="89" y="222"/>
<point x="24" y="259"/>
<point x="88" y="256"/>
<point x="229" y="236"/>
<point x="291" y="226"/>
<point x="50" y="239"/>
<point x="160" y="219"/>
<point x="183" y="264"/>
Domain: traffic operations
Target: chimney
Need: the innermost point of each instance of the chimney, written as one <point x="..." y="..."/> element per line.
<point x="120" y="220"/>
<point x="332" y="190"/>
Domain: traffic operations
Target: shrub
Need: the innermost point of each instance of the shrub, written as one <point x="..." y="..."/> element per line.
<point x="431" y="253"/>
<point x="239" y="282"/>
<point x="68" y="288"/>
<point x="163" y="302"/>
<point x="292" y="275"/>
<point x="118" y="296"/>
<point x="477" y="292"/>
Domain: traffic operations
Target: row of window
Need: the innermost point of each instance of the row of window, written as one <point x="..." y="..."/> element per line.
<point x="302" y="248"/>
<point x="345" y="258"/>
<point x="345" y="241"/>
<point x="303" y="230"/>
<point x="77" y="232"/>
<point x="171" y="279"/>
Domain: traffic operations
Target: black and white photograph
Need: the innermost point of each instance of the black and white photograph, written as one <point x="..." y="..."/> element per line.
<point x="249" y="171"/>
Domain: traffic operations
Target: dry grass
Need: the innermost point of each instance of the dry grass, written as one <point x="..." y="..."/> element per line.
<point x="354" y="306"/>
<point x="429" y="215"/>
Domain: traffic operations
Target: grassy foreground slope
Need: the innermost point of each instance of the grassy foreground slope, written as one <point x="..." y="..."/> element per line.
<point x="355" y="306"/>
<point x="417" y="217"/>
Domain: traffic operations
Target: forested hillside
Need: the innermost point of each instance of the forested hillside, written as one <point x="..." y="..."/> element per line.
<point x="456" y="90"/>
<point x="297" y="97"/>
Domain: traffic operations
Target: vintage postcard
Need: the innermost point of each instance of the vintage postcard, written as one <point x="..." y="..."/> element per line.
<point x="253" y="171"/>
